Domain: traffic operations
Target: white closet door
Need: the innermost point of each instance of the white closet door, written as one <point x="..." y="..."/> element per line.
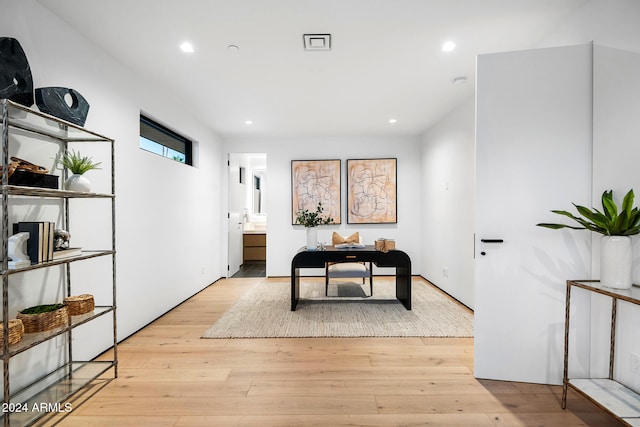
<point x="533" y="142"/>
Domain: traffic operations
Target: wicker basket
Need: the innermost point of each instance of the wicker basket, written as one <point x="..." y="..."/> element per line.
<point x="16" y="331"/>
<point x="79" y="304"/>
<point x="44" y="321"/>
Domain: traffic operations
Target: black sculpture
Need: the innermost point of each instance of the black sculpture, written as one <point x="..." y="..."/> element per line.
<point x="16" y="82"/>
<point x="51" y="100"/>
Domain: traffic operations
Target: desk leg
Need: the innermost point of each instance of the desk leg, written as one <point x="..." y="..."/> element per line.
<point x="403" y="286"/>
<point x="295" y="288"/>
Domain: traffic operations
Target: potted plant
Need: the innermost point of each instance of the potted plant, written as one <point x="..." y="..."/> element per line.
<point x="616" y="226"/>
<point x="311" y="220"/>
<point x="77" y="165"/>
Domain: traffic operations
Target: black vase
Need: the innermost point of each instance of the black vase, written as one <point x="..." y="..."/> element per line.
<point x="16" y="82"/>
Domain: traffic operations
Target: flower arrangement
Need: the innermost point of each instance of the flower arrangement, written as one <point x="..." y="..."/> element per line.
<point x="313" y="219"/>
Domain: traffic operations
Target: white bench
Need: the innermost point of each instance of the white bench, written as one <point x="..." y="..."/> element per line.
<point x="348" y="270"/>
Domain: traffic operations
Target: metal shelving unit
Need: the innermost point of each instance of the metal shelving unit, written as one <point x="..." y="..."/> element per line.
<point x="52" y="389"/>
<point x="615" y="398"/>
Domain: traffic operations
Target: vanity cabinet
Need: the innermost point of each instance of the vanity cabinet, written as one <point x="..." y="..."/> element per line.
<point x="254" y="247"/>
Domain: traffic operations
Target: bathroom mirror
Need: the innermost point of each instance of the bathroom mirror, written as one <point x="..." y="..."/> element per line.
<point x="259" y="181"/>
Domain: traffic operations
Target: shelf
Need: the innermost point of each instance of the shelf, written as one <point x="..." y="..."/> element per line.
<point x="55" y="387"/>
<point x="33" y="121"/>
<point x="631" y="295"/>
<point x="612" y="396"/>
<point x="83" y="255"/>
<point x="49" y="392"/>
<point x="34" y="339"/>
<point x="16" y="190"/>
<point x="620" y="401"/>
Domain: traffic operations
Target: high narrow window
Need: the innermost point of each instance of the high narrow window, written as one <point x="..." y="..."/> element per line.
<point x="163" y="141"/>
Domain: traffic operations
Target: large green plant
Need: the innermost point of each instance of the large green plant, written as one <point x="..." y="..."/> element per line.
<point x="609" y="222"/>
<point x="313" y="219"/>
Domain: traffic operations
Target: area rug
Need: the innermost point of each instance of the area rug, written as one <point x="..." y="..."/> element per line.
<point x="264" y="311"/>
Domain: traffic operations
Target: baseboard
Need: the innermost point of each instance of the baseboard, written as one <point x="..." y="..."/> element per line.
<point x="446" y="293"/>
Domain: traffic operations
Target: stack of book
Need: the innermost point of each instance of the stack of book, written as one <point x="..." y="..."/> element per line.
<point x="40" y="246"/>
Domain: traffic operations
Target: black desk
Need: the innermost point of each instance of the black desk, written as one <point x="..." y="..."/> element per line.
<point x="317" y="259"/>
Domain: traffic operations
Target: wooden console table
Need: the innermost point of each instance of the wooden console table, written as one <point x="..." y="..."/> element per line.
<point x="317" y="259"/>
<point x="620" y="401"/>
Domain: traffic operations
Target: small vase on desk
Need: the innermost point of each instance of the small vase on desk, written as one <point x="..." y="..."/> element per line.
<point x="616" y="262"/>
<point x="312" y="238"/>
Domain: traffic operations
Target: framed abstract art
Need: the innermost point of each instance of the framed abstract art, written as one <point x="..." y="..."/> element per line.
<point x="371" y="191"/>
<point x="313" y="182"/>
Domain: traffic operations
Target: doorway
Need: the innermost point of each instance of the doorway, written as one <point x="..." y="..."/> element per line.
<point x="247" y="218"/>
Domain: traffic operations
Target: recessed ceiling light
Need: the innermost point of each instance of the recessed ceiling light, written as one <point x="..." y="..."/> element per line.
<point x="233" y="48"/>
<point x="186" y="47"/>
<point x="392" y="121"/>
<point x="448" y="46"/>
<point x="248" y="122"/>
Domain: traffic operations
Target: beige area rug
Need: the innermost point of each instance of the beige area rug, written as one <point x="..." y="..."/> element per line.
<point x="264" y="311"/>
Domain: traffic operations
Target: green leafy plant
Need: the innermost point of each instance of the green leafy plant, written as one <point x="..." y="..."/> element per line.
<point x="77" y="163"/>
<point x="611" y="221"/>
<point x="313" y="219"/>
<point x="39" y="309"/>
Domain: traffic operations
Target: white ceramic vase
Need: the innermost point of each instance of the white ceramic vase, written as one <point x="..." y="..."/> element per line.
<point x="77" y="182"/>
<point x="616" y="262"/>
<point x="312" y="238"/>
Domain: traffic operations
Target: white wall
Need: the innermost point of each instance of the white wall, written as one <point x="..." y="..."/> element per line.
<point x="612" y="23"/>
<point x="166" y="252"/>
<point x="284" y="239"/>
<point x="616" y="132"/>
<point x="448" y="176"/>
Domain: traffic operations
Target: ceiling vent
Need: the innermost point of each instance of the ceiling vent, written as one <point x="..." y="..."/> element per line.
<point x="317" y="42"/>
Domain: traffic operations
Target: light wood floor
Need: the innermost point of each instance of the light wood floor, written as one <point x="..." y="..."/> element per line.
<point x="168" y="376"/>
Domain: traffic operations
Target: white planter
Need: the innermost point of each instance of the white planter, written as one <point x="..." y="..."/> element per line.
<point x="77" y="183"/>
<point x="312" y="238"/>
<point x="615" y="262"/>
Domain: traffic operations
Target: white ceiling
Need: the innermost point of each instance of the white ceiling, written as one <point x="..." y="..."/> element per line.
<point x="385" y="62"/>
